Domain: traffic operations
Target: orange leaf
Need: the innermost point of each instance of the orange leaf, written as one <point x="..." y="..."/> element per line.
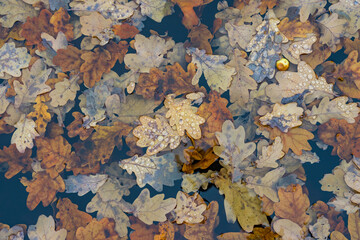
<point x="60" y="21"/>
<point x="42" y="188"/>
<point x="41" y="114"/>
<point x="293" y="205"/>
<point x="190" y="18"/>
<point x="96" y="64"/>
<point x="203" y="159"/>
<point x="70" y="217"/>
<point x="33" y="27"/>
<point x="343" y="136"/>
<point x="17" y="161"/>
<point x="69" y="59"/>
<point x="117" y="51"/>
<point x="215" y="112"/>
<point x="263" y="233"/>
<point x="54" y="153"/>
<point x="157" y="83"/>
<point x="125" y="30"/>
<point x="98" y="230"/>
<point x="76" y="128"/>
<point x="267" y="4"/>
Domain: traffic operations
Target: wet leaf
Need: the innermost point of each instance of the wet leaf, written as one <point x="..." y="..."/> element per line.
<point x="295" y="28"/>
<point x="76" y="128"/>
<point x="45" y="229"/>
<point x="64" y="91"/>
<point x="70" y="217"/>
<point x="13" y="59"/>
<point x="142" y="230"/>
<point x="69" y="59"/>
<point x="17" y="161"/>
<point x="24" y="134"/>
<point x="96" y="25"/>
<point x="156" y="134"/>
<point x="217" y="75"/>
<point x="293" y="205"/>
<point x="98" y="230"/>
<point x="189" y="209"/>
<point x="125" y="30"/>
<point x="42" y="188"/>
<point x="82" y="184"/>
<point x="15" y="10"/>
<point x="41" y="114"/>
<point x="155" y="9"/>
<point x="288" y="229"/>
<point x="200" y="37"/>
<point x="187" y="7"/>
<point x="270" y="154"/>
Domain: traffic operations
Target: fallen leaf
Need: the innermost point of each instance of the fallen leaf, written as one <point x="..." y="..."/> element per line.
<point x="98" y="230"/>
<point x="295" y="28"/>
<point x="70" y="218"/>
<point x="17" y="161"/>
<point x="24" y="134"/>
<point x="125" y="30"/>
<point x="41" y="114"/>
<point x="76" y="128"/>
<point x="69" y="59"/>
<point x="293" y="205"/>
<point x="189" y="209"/>
<point x="142" y="230"/>
<point x="15" y="10"/>
<point x="60" y="20"/>
<point x="42" y="188"/>
<point x="13" y="59"/>
<point x="200" y="37"/>
<point x="45" y="229"/>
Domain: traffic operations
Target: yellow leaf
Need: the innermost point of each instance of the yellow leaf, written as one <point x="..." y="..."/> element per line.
<point x="41" y="114"/>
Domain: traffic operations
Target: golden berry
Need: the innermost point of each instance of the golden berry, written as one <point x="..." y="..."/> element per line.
<point x="282" y="64"/>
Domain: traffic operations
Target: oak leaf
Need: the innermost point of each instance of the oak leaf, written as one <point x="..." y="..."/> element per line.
<point x="41" y="114"/>
<point x="69" y="59"/>
<point x="354" y="225"/>
<point x="45" y="229"/>
<point x="200" y="37"/>
<point x="15" y="10"/>
<point x="98" y="230"/>
<point x="189" y="209"/>
<point x="190" y="18"/>
<point x="96" y="64"/>
<point x="198" y="158"/>
<point x="295" y="28"/>
<point x="214" y="110"/>
<point x="343" y="136"/>
<point x="142" y="230"/>
<point x="82" y="184"/>
<point x="60" y="20"/>
<point x="287" y="229"/>
<point x="17" y="161"/>
<point x="295" y="139"/>
<point x="156" y="84"/>
<point x="42" y="188"/>
<point x="13" y="59"/>
<point x="152" y="209"/>
<point x="156" y="134"/>
<point x="76" y="128"/>
<point x="33" y="27"/>
<point x="24" y="134"/>
<point x="64" y="91"/>
<point x="182" y="115"/>
<point x="70" y="218"/>
<point x="155" y="9"/>
<point x="293" y="205"/>
<point x="270" y="154"/>
<point x="96" y="25"/>
<point x="125" y="30"/>
<point x="204" y="230"/>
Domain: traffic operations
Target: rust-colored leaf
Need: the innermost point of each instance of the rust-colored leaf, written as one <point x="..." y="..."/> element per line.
<point x="263" y="234"/>
<point x="42" y="188"/>
<point x="17" y="161"/>
<point x="125" y="30"/>
<point x="96" y="64"/>
<point x="343" y="136"/>
<point x="60" y="21"/>
<point x="98" y="230"/>
<point x="267" y="4"/>
<point x="142" y="231"/>
<point x="69" y="59"/>
<point x="33" y="27"/>
<point x="215" y="112"/>
<point x="117" y="51"/>
<point x="293" y="204"/>
<point x="75" y="128"/>
<point x="157" y="84"/>
<point x="198" y="159"/>
<point x="41" y="114"/>
<point x="70" y="218"/>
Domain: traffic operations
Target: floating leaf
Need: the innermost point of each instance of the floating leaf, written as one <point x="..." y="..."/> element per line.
<point x="64" y="91"/>
<point x="156" y="134"/>
<point x="288" y="229"/>
<point x="270" y="154"/>
<point x="70" y="217"/>
<point x="295" y="28"/>
<point x="217" y="74"/>
<point x="189" y="209"/>
<point x="45" y="229"/>
<point x="332" y="29"/>
<point x="96" y="25"/>
<point x="69" y="59"/>
<point x="15" y="10"/>
<point x="17" y="161"/>
<point x="293" y="205"/>
<point x="96" y="230"/>
<point x="152" y="209"/>
<point x="24" y="134"/>
<point x="41" y="114"/>
<point x="76" y="127"/>
<point x="82" y="184"/>
<point x="320" y="229"/>
<point x="13" y="59"/>
<point x="155" y="9"/>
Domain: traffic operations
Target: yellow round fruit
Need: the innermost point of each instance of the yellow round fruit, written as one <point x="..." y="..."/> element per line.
<point x="282" y="64"/>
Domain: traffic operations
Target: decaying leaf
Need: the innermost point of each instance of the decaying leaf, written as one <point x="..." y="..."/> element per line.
<point x="41" y="114"/>
<point x="270" y="154"/>
<point x="13" y="59"/>
<point x="156" y="134"/>
<point x="17" y="161"/>
<point x="24" y="134"/>
<point x="45" y="229"/>
<point x="98" y="230"/>
<point x="189" y="209"/>
<point x="64" y="91"/>
<point x="76" y="127"/>
<point x="82" y="184"/>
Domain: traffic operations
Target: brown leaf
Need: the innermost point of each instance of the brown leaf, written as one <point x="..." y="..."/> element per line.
<point x="14" y="33"/>
<point x="4" y="127"/>
<point x="267" y="205"/>
<point x="17" y="161"/>
<point x="293" y="205"/>
<point x="98" y="230"/>
<point x="69" y="59"/>
<point x="198" y="158"/>
<point x="215" y="112"/>
<point x="200" y="38"/>
<point x="343" y="136"/>
<point x="70" y="218"/>
<point x="42" y="188"/>
<point x="117" y="51"/>
<point x="204" y="231"/>
<point x="96" y="64"/>
<point x="347" y="75"/>
<point x="33" y="27"/>
<point x="75" y="128"/>
<point x="295" y="28"/>
<point x="60" y="21"/>
<point x="351" y="45"/>
<point x="54" y="153"/>
<point x="157" y="84"/>
<point x="53" y="130"/>
<point x="125" y="30"/>
<point x="263" y="234"/>
<point x="142" y="231"/>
